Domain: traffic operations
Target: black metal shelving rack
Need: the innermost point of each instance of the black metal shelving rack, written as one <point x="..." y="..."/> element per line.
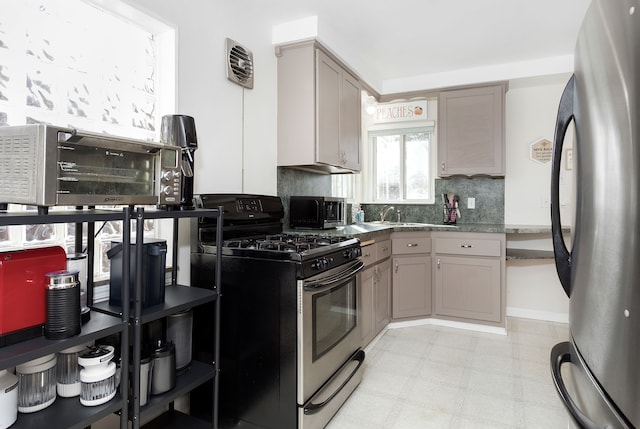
<point x="107" y="320"/>
<point x="68" y="412"/>
<point x="177" y="298"/>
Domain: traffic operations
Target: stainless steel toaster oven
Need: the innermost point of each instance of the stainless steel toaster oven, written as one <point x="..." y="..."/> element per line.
<point x="45" y="166"/>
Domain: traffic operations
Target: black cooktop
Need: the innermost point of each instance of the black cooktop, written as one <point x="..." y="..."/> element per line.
<point x="286" y="242"/>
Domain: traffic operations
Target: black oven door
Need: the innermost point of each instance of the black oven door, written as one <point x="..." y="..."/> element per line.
<point x="328" y="328"/>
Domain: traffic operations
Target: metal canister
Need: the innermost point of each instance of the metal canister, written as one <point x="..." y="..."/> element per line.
<point x="63" y="305"/>
<point x="163" y="376"/>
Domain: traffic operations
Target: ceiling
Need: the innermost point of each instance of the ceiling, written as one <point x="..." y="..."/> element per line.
<point x="415" y="44"/>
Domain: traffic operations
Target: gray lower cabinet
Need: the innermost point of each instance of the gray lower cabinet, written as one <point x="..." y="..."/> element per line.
<point x="375" y="289"/>
<point x="411" y="286"/>
<point x="383" y="295"/>
<point x="411" y="274"/>
<point x="367" y="304"/>
<point x="469" y="276"/>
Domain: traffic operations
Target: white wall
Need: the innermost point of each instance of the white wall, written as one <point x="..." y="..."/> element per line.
<point x="230" y="120"/>
<point x="531" y="109"/>
<point x="236" y="127"/>
<point x="533" y="288"/>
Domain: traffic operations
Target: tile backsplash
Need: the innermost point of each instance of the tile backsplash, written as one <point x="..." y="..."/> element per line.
<point x="489" y="202"/>
<point x="300" y="182"/>
<point x="488" y="194"/>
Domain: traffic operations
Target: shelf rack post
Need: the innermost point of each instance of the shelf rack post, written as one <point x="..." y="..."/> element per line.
<point x="124" y="336"/>
<point x="216" y="340"/>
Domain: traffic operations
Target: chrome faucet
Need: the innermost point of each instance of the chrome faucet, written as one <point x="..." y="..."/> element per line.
<point x="385" y="210"/>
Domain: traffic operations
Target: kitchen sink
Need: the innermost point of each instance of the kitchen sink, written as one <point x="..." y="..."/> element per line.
<point x="410" y="224"/>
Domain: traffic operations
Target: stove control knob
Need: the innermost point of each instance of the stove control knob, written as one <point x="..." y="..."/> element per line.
<point x="352" y="253"/>
<point x="320" y="264"/>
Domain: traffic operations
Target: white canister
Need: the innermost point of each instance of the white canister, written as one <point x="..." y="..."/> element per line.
<point x="98" y="378"/>
<point x="36" y="384"/>
<point x="8" y="398"/>
<point x="146" y="367"/>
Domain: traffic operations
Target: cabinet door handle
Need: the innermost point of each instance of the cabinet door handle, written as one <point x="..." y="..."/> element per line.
<point x="466" y="246"/>
<point x="438" y="263"/>
<point x="367" y="255"/>
<point x="412" y="244"/>
<point x="396" y="267"/>
<point x="384" y="249"/>
<point x="442" y="165"/>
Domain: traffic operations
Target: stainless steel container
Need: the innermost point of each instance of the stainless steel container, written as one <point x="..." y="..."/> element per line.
<point x="78" y="262"/>
<point x="179" y="328"/>
<point x="163" y="376"/>
<point x="63" y="305"/>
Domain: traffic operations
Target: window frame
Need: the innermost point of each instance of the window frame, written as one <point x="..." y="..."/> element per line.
<point x="370" y="181"/>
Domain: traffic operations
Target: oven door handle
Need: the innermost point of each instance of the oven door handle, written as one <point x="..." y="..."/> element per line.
<point x="312" y="408"/>
<point x="326" y="282"/>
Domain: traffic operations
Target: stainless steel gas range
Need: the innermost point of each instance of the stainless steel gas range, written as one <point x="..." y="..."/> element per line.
<point x="290" y="342"/>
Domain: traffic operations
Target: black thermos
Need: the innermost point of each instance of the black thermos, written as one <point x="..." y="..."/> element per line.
<point x="180" y="130"/>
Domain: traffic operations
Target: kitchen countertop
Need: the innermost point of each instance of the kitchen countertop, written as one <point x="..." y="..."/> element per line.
<point x="369" y="230"/>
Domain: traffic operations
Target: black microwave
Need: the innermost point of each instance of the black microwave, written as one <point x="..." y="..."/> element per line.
<point x="317" y="212"/>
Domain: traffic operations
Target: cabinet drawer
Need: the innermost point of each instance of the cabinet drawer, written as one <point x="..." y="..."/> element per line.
<point x="469" y="246"/>
<point x="408" y="245"/>
<point x="369" y="254"/>
<point x="383" y="249"/>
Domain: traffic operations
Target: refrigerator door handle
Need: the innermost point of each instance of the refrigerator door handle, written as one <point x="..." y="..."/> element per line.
<point x="562" y="254"/>
<point x="560" y="354"/>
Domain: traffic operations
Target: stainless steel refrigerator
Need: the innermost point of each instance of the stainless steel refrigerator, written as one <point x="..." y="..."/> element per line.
<point x="597" y="372"/>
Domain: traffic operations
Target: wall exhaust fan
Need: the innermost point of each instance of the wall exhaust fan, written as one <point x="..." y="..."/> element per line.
<point x="239" y="64"/>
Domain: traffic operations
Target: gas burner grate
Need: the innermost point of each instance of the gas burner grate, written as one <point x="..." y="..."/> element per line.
<point x="240" y="244"/>
<point x="285" y="242"/>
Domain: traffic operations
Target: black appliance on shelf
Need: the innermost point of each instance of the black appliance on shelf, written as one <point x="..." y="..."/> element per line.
<point x="289" y="318"/>
<point x="180" y="130"/>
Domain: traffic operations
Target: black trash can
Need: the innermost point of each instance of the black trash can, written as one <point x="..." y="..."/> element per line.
<point x="154" y="262"/>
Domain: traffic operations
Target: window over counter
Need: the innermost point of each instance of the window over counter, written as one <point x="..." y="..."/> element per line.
<point x="94" y="66"/>
<point x="402" y="165"/>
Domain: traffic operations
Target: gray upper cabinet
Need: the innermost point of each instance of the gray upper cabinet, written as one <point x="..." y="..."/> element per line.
<point x="471" y="133"/>
<point x="319" y="113"/>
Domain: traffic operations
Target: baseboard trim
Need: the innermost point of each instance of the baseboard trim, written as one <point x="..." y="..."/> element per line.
<point x="450" y="324"/>
<point x="548" y="316"/>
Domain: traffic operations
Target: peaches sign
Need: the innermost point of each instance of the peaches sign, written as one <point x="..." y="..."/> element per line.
<point x="401" y="112"/>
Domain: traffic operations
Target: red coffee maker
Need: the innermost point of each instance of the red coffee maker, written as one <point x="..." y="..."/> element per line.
<point x="23" y="288"/>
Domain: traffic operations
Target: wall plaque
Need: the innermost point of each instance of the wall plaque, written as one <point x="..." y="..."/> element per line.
<point x="541" y="151"/>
